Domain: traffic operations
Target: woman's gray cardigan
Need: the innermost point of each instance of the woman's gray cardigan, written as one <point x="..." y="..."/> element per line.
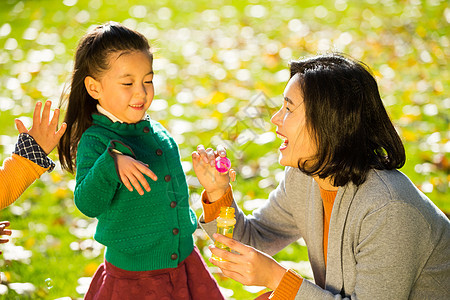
<point x="387" y="240"/>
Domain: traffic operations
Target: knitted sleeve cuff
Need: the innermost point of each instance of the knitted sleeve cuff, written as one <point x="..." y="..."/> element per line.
<point x="115" y="148"/>
<point x="212" y="210"/>
<point x="288" y="287"/>
<point x="27" y="147"/>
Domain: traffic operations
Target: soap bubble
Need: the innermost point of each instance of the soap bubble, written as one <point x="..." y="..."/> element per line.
<point x="49" y="283"/>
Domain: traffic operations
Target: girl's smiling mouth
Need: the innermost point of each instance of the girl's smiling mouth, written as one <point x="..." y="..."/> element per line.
<point x="137" y="106"/>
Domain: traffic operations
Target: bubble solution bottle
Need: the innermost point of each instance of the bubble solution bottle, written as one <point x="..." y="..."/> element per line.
<point x="225" y="226"/>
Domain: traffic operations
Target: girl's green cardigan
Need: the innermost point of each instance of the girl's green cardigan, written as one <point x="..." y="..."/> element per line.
<point x="141" y="233"/>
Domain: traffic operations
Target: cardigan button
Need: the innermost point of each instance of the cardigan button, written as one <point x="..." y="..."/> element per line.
<point x="174" y="256"/>
<point x="173" y="204"/>
<point x="175" y="231"/>
<point x="159" y="152"/>
<point x="146" y="129"/>
<point x="167" y="178"/>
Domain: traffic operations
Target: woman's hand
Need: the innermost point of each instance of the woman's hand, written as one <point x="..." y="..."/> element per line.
<point x="4" y="231"/>
<point x="214" y="182"/>
<point x="43" y="129"/>
<point x="132" y="172"/>
<point x="249" y="266"/>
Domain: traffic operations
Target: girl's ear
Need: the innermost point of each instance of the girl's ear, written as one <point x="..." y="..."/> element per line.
<point x="93" y="87"/>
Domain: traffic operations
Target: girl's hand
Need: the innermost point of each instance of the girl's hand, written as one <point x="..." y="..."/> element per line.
<point x="43" y="129"/>
<point x="214" y="182"/>
<point x="249" y="266"/>
<point x="4" y="231"/>
<point x="132" y="172"/>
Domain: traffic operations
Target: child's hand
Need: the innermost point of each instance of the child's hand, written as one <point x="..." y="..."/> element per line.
<point x="131" y="173"/>
<point x="4" y="231"/>
<point x="44" y="131"/>
<point x="215" y="183"/>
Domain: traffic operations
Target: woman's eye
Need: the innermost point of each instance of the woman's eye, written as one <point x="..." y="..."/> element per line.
<point x="149" y="82"/>
<point x="127" y="83"/>
<point x="287" y="109"/>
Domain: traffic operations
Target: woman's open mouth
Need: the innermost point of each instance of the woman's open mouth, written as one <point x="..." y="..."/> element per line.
<point x="285" y="141"/>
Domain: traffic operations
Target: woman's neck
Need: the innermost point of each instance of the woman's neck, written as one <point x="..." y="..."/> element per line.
<point x="325" y="183"/>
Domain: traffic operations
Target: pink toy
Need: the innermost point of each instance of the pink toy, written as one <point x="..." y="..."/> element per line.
<point x="223" y="164"/>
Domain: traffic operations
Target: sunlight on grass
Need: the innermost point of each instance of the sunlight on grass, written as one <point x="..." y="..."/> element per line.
<point x="220" y="69"/>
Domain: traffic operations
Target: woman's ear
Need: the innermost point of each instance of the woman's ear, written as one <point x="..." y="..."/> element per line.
<point x="93" y="87"/>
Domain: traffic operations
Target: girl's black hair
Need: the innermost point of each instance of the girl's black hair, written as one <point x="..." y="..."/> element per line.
<point x="92" y="59"/>
<point x="347" y="120"/>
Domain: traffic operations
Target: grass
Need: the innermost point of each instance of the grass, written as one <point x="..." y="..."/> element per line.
<point x="220" y="68"/>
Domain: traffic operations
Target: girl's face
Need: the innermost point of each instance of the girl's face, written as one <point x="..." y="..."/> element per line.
<point x="126" y="88"/>
<point x="291" y="127"/>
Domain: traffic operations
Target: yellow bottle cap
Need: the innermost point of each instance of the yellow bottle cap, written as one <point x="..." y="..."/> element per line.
<point x="226" y="212"/>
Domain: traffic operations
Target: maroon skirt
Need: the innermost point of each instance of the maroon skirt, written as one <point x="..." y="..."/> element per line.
<point x="191" y="280"/>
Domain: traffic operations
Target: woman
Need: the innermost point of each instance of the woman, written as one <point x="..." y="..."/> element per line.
<point x="370" y="233"/>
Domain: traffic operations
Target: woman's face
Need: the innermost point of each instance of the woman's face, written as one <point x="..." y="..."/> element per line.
<point x="291" y="127"/>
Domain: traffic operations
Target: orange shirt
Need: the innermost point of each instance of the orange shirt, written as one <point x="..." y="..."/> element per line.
<point x="327" y="201"/>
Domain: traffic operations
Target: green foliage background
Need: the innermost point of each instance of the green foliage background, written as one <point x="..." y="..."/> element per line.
<point x="221" y="67"/>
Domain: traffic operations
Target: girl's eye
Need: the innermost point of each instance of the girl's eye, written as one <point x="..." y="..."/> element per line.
<point x="127" y="84"/>
<point x="149" y="82"/>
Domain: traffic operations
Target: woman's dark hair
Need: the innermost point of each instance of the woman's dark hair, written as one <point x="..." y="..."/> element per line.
<point x="92" y="59"/>
<point x="347" y="120"/>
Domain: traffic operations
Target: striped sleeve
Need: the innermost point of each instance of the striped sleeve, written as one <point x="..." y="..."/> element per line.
<point x="212" y="210"/>
<point x="288" y="287"/>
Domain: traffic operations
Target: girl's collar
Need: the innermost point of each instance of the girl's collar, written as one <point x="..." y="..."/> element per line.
<point x="142" y="127"/>
<point x="110" y="116"/>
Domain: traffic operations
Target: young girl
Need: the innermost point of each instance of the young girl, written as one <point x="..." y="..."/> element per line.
<point x="150" y="252"/>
